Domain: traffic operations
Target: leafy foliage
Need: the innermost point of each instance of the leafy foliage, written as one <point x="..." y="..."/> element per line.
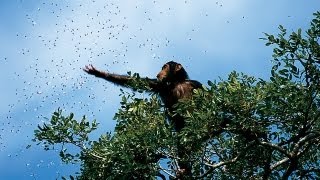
<point x="237" y="128"/>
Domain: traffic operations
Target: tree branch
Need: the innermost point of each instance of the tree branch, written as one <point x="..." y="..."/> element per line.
<point x="284" y="160"/>
<point x="294" y="155"/>
<point x="292" y="167"/>
<point x="166" y="171"/>
<point x="303" y="140"/>
<point x="222" y="163"/>
<point x="276" y="147"/>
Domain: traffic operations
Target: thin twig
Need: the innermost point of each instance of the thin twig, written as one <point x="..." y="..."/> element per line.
<point x="166" y="171"/>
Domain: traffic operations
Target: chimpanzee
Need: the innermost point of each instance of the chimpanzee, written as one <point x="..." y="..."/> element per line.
<point x="172" y="84"/>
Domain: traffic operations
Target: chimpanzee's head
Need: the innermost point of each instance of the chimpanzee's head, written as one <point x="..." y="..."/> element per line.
<point x="172" y="72"/>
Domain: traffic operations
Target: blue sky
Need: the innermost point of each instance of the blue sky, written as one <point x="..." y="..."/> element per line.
<point x="45" y="44"/>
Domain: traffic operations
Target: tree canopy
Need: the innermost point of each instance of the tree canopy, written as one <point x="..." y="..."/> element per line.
<point x="242" y="127"/>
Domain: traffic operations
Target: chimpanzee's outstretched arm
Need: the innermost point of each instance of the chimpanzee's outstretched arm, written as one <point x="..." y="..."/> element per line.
<point x="122" y="80"/>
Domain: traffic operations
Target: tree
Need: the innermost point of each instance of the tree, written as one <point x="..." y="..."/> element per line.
<point x="242" y="127"/>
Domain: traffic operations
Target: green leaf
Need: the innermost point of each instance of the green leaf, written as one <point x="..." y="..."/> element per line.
<point x="210" y="83"/>
<point x="71" y="116"/>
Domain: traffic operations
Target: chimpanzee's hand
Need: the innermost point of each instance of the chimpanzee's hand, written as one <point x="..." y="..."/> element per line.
<point x="93" y="71"/>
